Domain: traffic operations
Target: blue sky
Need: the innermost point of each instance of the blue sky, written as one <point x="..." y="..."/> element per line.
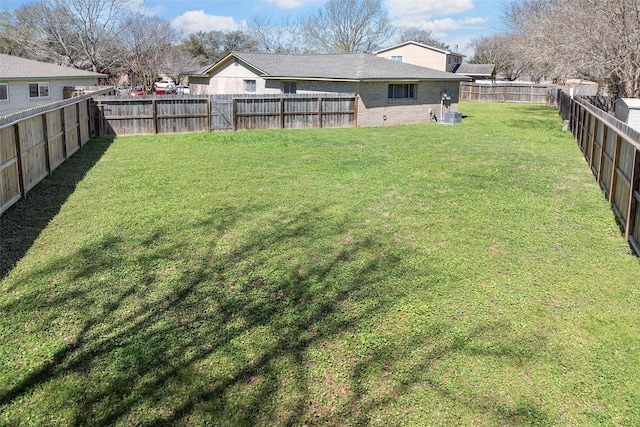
<point x="454" y="22"/>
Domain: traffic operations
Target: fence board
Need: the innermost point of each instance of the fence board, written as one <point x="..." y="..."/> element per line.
<point x="33" y="151"/>
<point x="55" y="134"/>
<point x="9" y="172"/>
<point x="35" y="142"/>
<point x="125" y="116"/>
<point x="613" y="152"/>
<point x="504" y="92"/>
<point x="71" y="136"/>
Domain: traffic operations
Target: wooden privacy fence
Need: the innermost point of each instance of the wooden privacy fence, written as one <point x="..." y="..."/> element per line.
<point x="34" y="143"/>
<point x="499" y="92"/>
<point x="119" y="115"/>
<point x="613" y="152"/>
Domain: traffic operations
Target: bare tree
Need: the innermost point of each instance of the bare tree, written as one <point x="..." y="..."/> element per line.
<point x="592" y="39"/>
<point x="73" y="32"/>
<point x="349" y="26"/>
<point x="498" y="50"/>
<point x="277" y="36"/>
<point x="421" y="36"/>
<point x="209" y="47"/>
<point x="147" y="43"/>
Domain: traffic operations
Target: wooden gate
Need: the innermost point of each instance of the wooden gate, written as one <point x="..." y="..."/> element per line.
<point x="221" y="112"/>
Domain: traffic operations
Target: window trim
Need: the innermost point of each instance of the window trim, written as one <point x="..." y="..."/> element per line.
<point x="6" y="85"/>
<point x="40" y="86"/>
<point x="412" y="89"/>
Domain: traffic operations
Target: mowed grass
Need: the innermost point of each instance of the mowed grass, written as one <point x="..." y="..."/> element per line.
<point x="413" y="275"/>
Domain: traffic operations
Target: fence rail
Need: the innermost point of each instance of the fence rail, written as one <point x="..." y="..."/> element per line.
<point x="119" y="115"/>
<point x="35" y="142"/>
<point x="612" y="150"/>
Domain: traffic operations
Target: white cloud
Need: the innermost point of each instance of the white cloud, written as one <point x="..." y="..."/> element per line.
<point x="197" y="20"/>
<point x="448" y="24"/>
<point x="424" y="9"/>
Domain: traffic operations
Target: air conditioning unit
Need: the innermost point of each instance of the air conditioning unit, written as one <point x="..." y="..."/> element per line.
<point x="451" y="117"/>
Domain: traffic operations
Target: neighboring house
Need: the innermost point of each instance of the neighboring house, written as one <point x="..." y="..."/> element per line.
<point x="25" y="83"/>
<point x="389" y="92"/>
<point x="478" y="71"/>
<point x="423" y="55"/>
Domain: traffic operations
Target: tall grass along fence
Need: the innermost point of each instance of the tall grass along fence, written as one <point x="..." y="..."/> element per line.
<point x="613" y="151"/>
<point x="35" y="142"/>
<point x="118" y="115"/>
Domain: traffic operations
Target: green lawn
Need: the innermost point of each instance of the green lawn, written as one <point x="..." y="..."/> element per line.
<point x="414" y="275"/>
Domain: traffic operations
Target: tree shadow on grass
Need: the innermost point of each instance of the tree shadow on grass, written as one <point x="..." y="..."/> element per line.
<point x="153" y="330"/>
<point x="21" y="224"/>
<point x="206" y="335"/>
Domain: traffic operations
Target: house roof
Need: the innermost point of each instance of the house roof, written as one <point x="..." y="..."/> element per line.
<point x="339" y="67"/>
<point x="16" y="68"/>
<point x="476" y="69"/>
<point x="426" y="46"/>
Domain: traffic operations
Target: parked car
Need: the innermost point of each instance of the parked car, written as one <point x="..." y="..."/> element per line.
<point x="137" y="91"/>
<point x="183" y="90"/>
<point x="164" y="91"/>
<point x="164" y="84"/>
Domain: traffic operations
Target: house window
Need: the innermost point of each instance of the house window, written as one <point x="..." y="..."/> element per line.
<point x="398" y="58"/>
<point x="249" y="85"/>
<point x="4" y="92"/>
<point x="289" y="87"/>
<point x="402" y="91"/>
<point x="38" y="90"/>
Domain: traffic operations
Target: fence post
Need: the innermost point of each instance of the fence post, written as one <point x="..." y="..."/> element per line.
<point x="234" y="125"/>
<point x="154" y="119"/>
<point x="208" y="121"/>
<point x="64" y="134"/>
<point x="635" y="178"/>
<point x="282" y="112"/>
<point x="614" y="166"/>
<point x="356" y="101"/>
<point x="78" y="133"/>
<point x="45" y="135"/>
<point x="320" y="112"/>
<point x="16" y="137"/>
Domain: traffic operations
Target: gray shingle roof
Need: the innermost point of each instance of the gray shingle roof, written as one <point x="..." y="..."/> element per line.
<point x="341" y="67"/>
<point x="476" y="69"/>
<point x="13" y="68"/>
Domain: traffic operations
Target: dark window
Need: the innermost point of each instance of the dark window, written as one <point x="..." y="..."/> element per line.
<point x="4" y="92"/>
<point x="402" y="91"/>
<point x="38" y="90"/>
<point x="289" y="87"/>
<point x="249" y="85"/>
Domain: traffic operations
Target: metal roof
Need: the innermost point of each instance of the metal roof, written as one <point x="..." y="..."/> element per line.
<point x="16" y="68"/>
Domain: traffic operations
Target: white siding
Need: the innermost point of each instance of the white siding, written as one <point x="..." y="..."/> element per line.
<point x="19" y="93"/>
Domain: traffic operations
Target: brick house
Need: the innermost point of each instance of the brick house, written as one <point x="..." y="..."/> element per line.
<point x="26" y="84"/>
<point x="389" y="92"/>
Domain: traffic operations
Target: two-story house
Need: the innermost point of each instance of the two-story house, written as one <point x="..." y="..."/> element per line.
<point x="423" y="55"/>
